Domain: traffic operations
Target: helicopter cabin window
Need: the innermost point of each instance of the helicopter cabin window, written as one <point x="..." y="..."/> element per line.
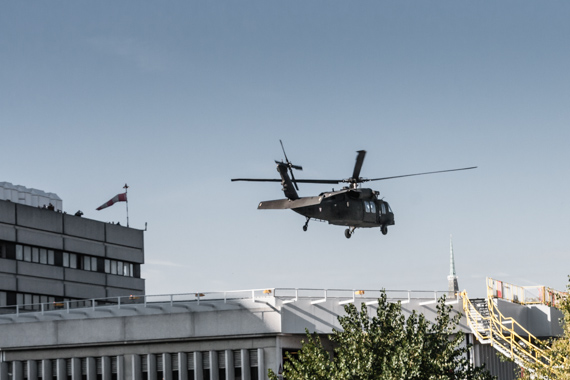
<point x="383" y="206"/>
<point x="370" y="207"/>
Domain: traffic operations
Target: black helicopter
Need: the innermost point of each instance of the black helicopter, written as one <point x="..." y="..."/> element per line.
<point x="352" y="206"/>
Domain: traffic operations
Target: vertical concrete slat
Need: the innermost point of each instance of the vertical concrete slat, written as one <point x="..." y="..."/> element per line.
<point x="198" y="366"/>
<point x="245" y="366"/>
<point x="91" y="368"/>
<point x="230" y="368"/>
<point x="17" y="370"/>
<point x="4" y="371"/>
<point x="106" y="369"/>
<point x="151" y="366"/>
<point x="166" y="367"/>
<point x="75" y="369"/>
<point x="47" y="370"/>
<point x="61" y="370"/>
<point x="261" y="364"/>
<point x="121" y="373"/>
<point x="136" y="367"/>
<point x="32" y="370"/>
<point x="214" y="367"/>
<point x="183" y="366"/>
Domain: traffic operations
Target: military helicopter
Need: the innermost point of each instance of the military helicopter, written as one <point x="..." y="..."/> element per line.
<point x="352" y="206"/>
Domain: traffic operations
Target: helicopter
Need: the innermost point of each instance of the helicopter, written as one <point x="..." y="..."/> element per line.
<point x="353" y="206"/>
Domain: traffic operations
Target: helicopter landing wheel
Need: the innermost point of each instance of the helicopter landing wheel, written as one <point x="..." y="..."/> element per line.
<point x="347" y="233"/>
<point x="306" y="224"/>
<point x="384" y="230"/>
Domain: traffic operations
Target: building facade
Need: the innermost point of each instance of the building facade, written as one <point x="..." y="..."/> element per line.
<point x="49" y="257"/>
<point x="199" y="336"/>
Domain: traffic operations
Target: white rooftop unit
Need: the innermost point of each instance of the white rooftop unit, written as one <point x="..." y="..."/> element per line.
<point x="30" y="197"/>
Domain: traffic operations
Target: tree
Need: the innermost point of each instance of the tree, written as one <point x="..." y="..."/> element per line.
<point x="559" y="352"/>
<point x="386" y="346"/>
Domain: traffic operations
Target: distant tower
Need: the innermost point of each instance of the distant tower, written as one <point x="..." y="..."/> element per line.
<point x="453" y="287"/>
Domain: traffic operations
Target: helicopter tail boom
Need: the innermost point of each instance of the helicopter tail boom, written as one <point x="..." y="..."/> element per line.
<point x="283" y="204"/>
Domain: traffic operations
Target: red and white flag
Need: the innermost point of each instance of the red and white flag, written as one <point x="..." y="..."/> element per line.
<point x="117" y="198"/>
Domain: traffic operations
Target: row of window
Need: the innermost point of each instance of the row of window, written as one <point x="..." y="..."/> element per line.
<point x="68" y="260"/>
<point x="48" y="369"/>
<point x="205" y="365"/>
<point x="32" y="302"/>
<point x="34" y="369"/>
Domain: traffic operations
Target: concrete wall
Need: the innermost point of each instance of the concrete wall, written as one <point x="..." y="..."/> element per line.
<point x="50" y="229"/>
<point x="80" y="329"/>
<point x="539" y="320"/>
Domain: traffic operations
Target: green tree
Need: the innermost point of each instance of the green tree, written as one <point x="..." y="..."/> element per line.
<point x="559" y="352"/>
<point x="387" y="346"/>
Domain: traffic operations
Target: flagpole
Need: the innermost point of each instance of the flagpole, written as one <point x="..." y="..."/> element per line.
<point x="127" y="202"/>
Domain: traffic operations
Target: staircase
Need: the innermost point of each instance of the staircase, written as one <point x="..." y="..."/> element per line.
<point x="491" y="327"/>
<point x="479" y="311"/>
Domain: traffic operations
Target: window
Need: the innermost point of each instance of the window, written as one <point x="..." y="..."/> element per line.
<point x="35" y="255"/>
<point x="94" y="264"/>
<point x="19" y="252"/>
<point x="86" y="263"/>
<point x="27" y="253"/>
<point x="50" y="257"/>
<point x="65" y="259"/>
<point x="254" y="364"/>
<point x="370" y="207"/>
<point x="43" y="256"/>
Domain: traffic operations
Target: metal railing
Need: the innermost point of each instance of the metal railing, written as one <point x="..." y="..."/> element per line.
<point x="286" y="295"/>
<point x="504" y="333"/>
<point x="524" y="295"/>
<point x="499" y="331"/>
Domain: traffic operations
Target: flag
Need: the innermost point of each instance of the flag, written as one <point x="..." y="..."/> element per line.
<point x="117" y="198"/>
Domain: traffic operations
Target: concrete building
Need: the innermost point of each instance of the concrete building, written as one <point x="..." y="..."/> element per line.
<point x="47" y="256"/>
<point x="199" y="336"/>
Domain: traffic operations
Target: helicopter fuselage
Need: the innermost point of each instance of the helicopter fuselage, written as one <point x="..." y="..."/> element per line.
<point x="353" y="208"/>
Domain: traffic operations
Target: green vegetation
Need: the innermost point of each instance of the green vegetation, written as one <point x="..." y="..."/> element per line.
<point x="559" y="367"/>
<point x="386" y="346"/>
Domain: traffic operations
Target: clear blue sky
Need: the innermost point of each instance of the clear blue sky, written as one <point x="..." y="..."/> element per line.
<point x="176" y="98"/>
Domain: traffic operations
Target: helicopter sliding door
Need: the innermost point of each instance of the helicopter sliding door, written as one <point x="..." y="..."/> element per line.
<point x="369" y="211"/>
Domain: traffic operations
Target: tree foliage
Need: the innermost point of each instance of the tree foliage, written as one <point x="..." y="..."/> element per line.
<point x="386" y="346"/>
<point x="559" y="352"/>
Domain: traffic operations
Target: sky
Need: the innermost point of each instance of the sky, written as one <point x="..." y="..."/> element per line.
<point x="176" y="98"/>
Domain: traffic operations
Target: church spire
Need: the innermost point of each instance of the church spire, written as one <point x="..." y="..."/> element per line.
<point x="453" y="287"/>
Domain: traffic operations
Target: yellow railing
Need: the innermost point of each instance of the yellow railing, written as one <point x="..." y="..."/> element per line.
<point x="500" y="332"/>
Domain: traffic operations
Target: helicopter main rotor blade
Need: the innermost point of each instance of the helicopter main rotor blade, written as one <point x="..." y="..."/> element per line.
<point x="323" y="181"/>
<point x="358" y="164"/>
<point x="256" y="180"/>
<point x="283" y="148"/>
<point x="410" y="175"/>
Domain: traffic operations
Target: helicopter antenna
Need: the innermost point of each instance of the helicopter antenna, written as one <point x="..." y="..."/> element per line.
<point x="290" y="166"/>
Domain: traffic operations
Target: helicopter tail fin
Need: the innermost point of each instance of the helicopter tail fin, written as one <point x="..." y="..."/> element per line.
<point x="288" y="186"/>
